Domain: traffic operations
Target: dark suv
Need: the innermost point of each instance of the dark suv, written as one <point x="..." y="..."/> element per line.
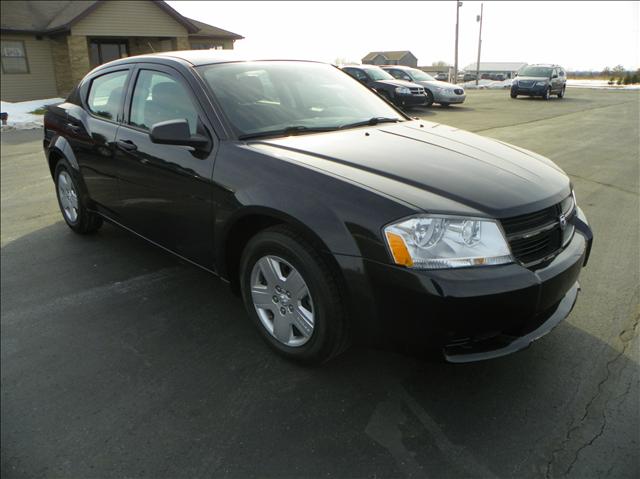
<point x="540" y="80"/>
<point x="399" y="92"/>
<point x="334" y="215"/>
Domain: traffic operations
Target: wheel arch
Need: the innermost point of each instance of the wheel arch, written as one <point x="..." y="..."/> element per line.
<point x="58" y="149"/>
<point x="238" y="231"/>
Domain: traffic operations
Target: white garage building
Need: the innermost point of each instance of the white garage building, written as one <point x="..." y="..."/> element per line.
<point x="508" y="69"/>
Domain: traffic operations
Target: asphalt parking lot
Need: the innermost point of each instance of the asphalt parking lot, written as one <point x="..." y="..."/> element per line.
<point x="120" y="361"/>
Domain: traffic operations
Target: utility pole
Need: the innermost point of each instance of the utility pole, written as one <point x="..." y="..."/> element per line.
<point x="455" y="65"/>
<point x="479" y="19"/>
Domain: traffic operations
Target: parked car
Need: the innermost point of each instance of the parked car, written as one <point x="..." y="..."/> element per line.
<point x="540" y="80"/>
<point x="437" y="91"/>
<point x="442" y="77"/>
<point x="335" y="216"/>
<point x="400" y="93"/>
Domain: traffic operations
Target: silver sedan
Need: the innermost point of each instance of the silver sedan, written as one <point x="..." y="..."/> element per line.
<point x="437" y="91"/>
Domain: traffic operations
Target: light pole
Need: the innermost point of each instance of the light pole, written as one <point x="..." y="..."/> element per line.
<point x="455" y="65"/>
<point x="479" y="19"/>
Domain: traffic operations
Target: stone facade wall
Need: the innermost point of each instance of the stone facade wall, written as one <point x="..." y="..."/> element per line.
<point x="78" y="57"/>
<point x="61" y="65"/>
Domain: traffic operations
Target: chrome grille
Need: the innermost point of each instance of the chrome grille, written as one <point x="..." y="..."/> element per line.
<point x="417" y="91"/>
<point x="539" y="236"/>
<point x="525" y="83"/>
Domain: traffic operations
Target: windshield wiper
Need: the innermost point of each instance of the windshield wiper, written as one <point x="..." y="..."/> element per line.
<point x="370" y="122"/>
<point x="290" y="130"/>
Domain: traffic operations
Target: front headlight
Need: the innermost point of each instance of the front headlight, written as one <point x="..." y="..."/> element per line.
<point x="541" y="83"/>
<point x="436" y="242"/>
<point x="402" y="90"/>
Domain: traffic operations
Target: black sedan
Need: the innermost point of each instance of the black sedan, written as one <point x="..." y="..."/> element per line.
<point x="401" y="93"/>
<point x="336" y="217"/>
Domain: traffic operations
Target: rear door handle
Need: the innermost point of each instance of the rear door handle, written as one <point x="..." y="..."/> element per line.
<point x="126" y="145"/>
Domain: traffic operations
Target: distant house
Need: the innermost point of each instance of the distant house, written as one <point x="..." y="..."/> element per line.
<point x="508" y="69"/>
<point x="403" y="57"/>
<point x="48" y="46"/>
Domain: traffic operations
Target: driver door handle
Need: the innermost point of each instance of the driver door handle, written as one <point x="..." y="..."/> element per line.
<point x="126" y="145"/>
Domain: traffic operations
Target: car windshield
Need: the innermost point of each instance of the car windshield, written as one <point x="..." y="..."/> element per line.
<point x="292" y="97"/>
<point x="535" y="72"/>
<point x="419" y="75"/>
<point x="378" y="74"/>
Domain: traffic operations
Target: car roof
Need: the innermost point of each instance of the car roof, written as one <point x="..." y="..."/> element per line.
<point x="200" y="57"/>
<point x="363" y="66"/>
<point x="399" y="67"/>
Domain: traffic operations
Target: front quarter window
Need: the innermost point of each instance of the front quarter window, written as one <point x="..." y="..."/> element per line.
<point x="262" y="97"/>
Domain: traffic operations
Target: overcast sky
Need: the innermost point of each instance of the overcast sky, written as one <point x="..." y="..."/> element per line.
<point x="577" y="35"/>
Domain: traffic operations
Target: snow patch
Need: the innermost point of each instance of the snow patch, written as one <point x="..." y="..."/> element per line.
<point x="19" y="117"/>
<point x="487" y="85"/>
<point x="600" y="84"/>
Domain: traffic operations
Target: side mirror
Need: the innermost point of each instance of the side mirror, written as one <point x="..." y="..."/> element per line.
<point x="176" y="132"/>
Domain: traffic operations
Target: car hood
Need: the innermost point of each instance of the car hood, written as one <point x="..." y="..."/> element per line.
<point x="417" y="161"/>
<point x="438" y="84"/>
<point x="396" y="83"/>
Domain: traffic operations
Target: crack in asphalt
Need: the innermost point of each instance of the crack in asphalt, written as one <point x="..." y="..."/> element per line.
<point x="625" y="336"/>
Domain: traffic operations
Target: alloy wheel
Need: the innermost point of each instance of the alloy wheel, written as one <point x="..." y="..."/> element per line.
<point x="282" y="301"/>
<point x="68" y="196"/>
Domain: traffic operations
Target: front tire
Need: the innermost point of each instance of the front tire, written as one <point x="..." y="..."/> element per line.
<point x="293" y="296"/>
<point x="73" y="201"/>
<point x="514" y="94"/>
<point x="429" y="98"/>
<point x="561" y="93"/>
<point x="547" y="94"/>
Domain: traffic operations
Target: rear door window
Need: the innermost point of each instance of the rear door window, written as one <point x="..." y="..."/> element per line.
<point x="106" y="94"/>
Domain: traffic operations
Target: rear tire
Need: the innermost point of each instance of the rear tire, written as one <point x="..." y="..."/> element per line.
<point x="293" y="296"/>
<point x="73" y="201"/>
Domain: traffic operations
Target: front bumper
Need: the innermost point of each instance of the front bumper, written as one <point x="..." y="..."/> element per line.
<point x="470" y="313"/>
<point x="411" y="100"/>
<point x="448" y="98"/>
<point x="530" y="91"/>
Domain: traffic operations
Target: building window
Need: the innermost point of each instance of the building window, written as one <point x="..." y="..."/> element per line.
<point x="103" y="51"/>
<point x="14" y="57"/>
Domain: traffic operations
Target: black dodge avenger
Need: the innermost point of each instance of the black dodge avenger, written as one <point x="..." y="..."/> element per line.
<point x="337" y="218"/>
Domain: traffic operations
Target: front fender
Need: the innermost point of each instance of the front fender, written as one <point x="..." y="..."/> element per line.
<point x="307" y="214"/>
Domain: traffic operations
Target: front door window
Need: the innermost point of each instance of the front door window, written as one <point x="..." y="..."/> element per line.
<point x="103" y="51"/>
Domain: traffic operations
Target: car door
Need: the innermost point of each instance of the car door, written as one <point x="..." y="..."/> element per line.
<point x="166" y="192"/>
<point x="92" y="128"/>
